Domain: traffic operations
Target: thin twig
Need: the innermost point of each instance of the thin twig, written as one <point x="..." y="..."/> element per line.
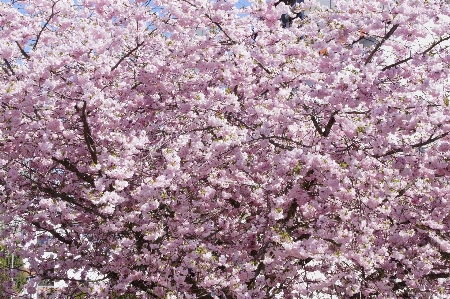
<point x="261" y="66"/>
<point x="221" y="29"/>
<point x="128" y="54"/>
<point x="431" y="47"/>
<point x="420" y="144"/>
<point x="45" y="25"/>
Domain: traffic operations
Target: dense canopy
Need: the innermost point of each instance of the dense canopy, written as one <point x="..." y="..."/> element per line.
<point x="199" y="149"/>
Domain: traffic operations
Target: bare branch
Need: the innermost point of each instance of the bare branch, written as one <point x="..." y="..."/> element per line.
<point x="431" y="139"/>
<point x="378" y="46"/>
<point x="328" y="127"/>
<point x="431" y="47"/>
<point x="23" y="51"/>
<point x="129" y="53"/>
<point x="221" y="29"/>
<point x="45" y="26"/>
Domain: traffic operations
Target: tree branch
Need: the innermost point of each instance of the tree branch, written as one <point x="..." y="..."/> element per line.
<point x="8" y="65"/>
<point x="129" y="53"/>
<point x="328" y="127"/>
<point x="45" y="25"/>
<point x="23" y="51"/>
<point x="431" y="47"/>
<point x="378" y="46"/>
<point x="72" y="167"/>
<point x="87" y="134"/>
<point x="261" y="66"/>
<point x="420" y="144"/>
<point x="276" y="144"/>
<point x="69" y="199"/>
<point x="434" y="276"/>
<point x="221" y="29"/>
<point x="54" y="233"/>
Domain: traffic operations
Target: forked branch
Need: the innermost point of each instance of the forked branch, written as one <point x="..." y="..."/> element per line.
<point x="325" y="132"/>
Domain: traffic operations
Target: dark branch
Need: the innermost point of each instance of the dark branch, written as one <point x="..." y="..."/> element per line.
<point x="328" y="127"/>
<point x="144" y="286"/>
<point x="378" y="46"/>
<point x="221" y="29"/>
<point x="198" y="291"/>
<point x="23" y="51"/>
<point x="285" y="147"/>
<point x="431" y="47"/>
<point x="208" y="128"/>
<point x="299" y="143"/>
<point x="87" y="134"/>
<point x="230" y="117"/>
<point x="316" y="125"/>
<point x="69" y="199"/>
<point x="8" y="65"/>
<point x="434" y="276"/>
<point x="276" y="144"/>
<point x="54" y="233"/>
<point x="45" y="26"/>
<point x="136" y="85"/>
<point x="5" y="70"/>
<point x="72" y="167"/>
<point x="129" y="53"/>
<point x="357" y="112"/>
<point x="190" y="3"/>
<point x="251" y="284"/>
<point x="431" y="139"/>
<point x="261" y="66"/>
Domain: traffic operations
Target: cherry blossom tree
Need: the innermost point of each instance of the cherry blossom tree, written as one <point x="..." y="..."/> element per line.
<point x="198" y="149"/>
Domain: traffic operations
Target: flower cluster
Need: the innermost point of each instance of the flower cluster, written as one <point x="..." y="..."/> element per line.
<point x="199" y="149"/>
